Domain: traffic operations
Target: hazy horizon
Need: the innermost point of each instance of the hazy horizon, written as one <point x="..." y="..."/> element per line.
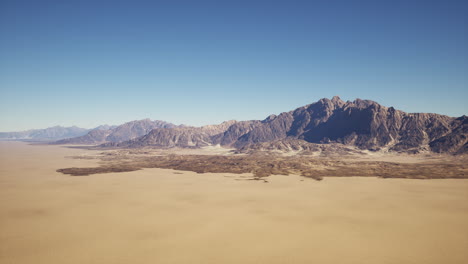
<point x="89" y="63"/>
<point x="169" y="121"/>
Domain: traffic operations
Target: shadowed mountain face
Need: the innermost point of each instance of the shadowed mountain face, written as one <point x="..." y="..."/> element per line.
<point x="361" y="123"/>
<point x="454" y="141"/>
<point x="47" y="134"/>
<point x="120" y="133"/>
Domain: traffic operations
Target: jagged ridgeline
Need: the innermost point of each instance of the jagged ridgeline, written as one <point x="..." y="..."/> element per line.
<point x="360" y="123"/>
<point x="120" y="133"/>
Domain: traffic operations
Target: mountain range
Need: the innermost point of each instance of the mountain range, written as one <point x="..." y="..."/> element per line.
<point x="363" y="124"/>
<point x="47" y="134"/>
<point x="120" y="133"/>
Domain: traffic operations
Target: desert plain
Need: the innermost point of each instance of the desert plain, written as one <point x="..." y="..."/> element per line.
<point x="154" y="215"/>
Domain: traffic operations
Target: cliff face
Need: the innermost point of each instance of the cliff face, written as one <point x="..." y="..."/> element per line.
<point x="455" y="141"/>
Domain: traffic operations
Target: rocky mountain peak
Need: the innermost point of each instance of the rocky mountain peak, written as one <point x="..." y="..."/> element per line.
<point x="336" y="100"/>
<point x="361" y="104"/>
<point x="270" y="118"/>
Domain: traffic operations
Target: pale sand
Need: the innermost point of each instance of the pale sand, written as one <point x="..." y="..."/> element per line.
<point x="157" y="216"/>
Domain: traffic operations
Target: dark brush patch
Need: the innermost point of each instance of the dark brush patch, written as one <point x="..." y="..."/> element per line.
<point x="265" y="165"/>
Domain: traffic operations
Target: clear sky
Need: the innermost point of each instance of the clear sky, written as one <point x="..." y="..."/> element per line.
<point x="88" y="63"/>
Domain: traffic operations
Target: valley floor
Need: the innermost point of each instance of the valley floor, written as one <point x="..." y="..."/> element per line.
<point x="168" y="216"/>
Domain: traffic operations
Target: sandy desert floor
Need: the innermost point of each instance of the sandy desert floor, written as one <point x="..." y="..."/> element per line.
<point x="166" y="216"/>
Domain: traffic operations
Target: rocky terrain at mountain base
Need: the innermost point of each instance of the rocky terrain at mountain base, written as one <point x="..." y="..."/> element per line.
<point x="297" y="146"/>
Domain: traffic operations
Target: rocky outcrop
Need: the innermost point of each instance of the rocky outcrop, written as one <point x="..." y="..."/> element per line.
<point x="291" y="145"/>
<point x="456" y="141"/>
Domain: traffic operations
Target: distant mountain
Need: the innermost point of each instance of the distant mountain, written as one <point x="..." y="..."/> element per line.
<point x="363" y="124"/>
<point x="177" y="136"/>
<point x="47" y="134"/>
<point x="104" y="127"/>
<point x="94" y="136"/>
<point x="120" y="133"/>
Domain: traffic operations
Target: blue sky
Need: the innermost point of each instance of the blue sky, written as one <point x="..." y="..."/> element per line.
<point x="88" y="63"/>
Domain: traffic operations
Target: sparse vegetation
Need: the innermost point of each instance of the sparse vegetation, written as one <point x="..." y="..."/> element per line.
<point x="263" y="165"/>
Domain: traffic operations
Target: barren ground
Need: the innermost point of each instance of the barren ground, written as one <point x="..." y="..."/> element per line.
<point x="172" y="216"/>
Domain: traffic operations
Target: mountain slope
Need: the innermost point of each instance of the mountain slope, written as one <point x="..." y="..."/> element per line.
<point x="361" y="123"/>
<point x="177" y="136"/>
<point x="120" y="133"/>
